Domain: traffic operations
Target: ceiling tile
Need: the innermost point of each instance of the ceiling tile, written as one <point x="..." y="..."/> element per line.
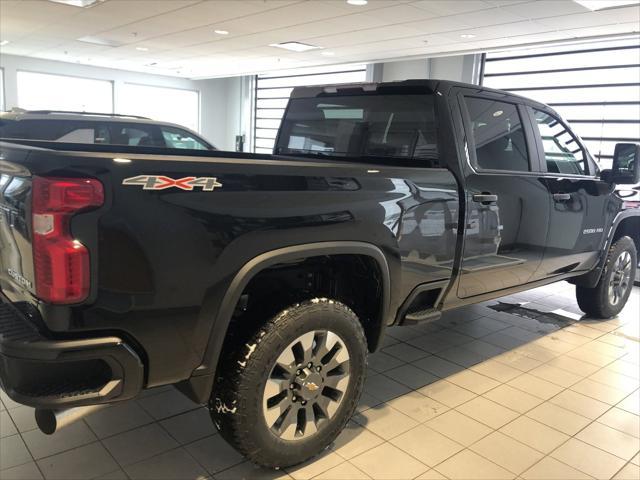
<point x="593" y="19"/>
<point x="545" y="8"/>
<point x="444" y="7"/>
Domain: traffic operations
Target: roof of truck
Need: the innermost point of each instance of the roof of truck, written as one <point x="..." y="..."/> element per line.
<point x="414" y="85"/>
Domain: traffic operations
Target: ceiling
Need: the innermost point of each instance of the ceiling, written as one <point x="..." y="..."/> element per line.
<point x="177" y="37"/>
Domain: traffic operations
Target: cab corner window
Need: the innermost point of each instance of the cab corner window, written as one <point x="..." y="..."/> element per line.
<point x="562" y="152"/>
<point x="498" y="135"/>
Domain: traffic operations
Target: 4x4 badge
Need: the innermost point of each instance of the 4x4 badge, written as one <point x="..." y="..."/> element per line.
<point x="160" y="182"/>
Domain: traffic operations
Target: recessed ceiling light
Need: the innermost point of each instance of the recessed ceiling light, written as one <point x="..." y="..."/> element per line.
<point x="294" y="46"/>
<point x="600" y="4"/>
<point x="99" y="41"/>
<point x="358" y="3"/>
<point x="3" y="43"/>
<point x="221" y="32"/>
<point x="467" y="35"/>
<point x="77" y="3"/>
<point x="327" y="53"/>
<point x="142" y="49"/>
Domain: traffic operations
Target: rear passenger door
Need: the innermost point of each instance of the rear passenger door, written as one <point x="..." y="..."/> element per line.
<point x="507" y="201"/>
<point x="580" y="203"/>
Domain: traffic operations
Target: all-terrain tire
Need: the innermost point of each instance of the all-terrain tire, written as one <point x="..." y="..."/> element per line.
<point x="597" y="302"/>
<point x="236" y="403"/>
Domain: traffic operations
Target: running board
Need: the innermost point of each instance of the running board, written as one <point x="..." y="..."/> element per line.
<point x="421" y="317"/>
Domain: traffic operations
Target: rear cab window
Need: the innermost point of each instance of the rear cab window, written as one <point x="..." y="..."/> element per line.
<point x="397" y="126"/>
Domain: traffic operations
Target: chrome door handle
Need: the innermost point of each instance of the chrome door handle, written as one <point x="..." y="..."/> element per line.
<point x="561" y="197"/>
<point x="485" y="198"/>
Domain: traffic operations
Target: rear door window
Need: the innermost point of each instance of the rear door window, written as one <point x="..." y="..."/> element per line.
<point x="498" y="135"/>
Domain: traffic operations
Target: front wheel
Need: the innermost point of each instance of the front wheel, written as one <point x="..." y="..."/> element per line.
<point x="610" y="295"/>
<point x="289" y="391"/>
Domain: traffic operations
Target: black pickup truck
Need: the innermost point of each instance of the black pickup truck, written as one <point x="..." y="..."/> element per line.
<point x="256" y="284"/>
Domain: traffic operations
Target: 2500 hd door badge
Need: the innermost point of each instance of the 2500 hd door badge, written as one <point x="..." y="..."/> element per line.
<point x="160" y="182"/>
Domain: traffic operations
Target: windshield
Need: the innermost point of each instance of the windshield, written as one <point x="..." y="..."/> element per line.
<point x="368" y="125"/>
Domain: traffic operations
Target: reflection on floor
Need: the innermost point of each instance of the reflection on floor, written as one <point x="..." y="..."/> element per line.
<point x="498" y="390"/>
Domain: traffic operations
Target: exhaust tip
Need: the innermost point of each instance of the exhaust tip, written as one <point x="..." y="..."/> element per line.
<point x="46" y="420"/>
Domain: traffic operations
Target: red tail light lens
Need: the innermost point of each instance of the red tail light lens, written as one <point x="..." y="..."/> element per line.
<point x="61" y="263"/>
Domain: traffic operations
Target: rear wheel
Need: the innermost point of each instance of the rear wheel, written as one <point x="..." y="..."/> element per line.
<point x="610" y="295"/>
<point x="289" y="391"/>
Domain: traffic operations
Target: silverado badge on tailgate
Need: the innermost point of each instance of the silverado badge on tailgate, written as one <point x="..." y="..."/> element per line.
<point x="160" y="182"/>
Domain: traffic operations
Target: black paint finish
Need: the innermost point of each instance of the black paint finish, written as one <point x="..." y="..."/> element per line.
<point x="163" y="262"/>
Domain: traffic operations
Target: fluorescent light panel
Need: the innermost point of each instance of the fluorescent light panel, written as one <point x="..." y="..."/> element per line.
<point x="294" y="46"/>
<point x="600" y="4"/>
<point x="98" y="41"/>
<point x="77" y="3"/>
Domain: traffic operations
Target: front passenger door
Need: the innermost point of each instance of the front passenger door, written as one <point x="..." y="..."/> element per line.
<point x="580" y="203"/>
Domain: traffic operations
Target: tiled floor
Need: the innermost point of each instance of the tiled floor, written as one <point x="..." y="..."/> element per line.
<point x="479" y="394"/>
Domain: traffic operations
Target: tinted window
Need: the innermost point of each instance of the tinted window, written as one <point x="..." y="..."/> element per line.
<point x="498" y="135"/>
<point x="562" y="152"/>
<point x="133" y="134"/>
<point x="79" y="131"/>
<point x="401" y="126"/>
<point x="178" y="138"/>
<point x="57" y="131"/>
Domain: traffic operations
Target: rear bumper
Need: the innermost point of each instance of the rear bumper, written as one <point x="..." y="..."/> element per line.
<point x="45" y="373"/>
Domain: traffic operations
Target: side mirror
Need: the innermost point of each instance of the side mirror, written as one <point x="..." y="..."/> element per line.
<point x="626" y="167"/>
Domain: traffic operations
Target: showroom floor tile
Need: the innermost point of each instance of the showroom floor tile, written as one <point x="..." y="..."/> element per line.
<point x="481" y="393"/>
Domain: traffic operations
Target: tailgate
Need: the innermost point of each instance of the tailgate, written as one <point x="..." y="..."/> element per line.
<point x="16" y="254"/>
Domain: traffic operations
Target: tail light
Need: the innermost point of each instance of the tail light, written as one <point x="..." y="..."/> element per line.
<point x="61" y="263"/>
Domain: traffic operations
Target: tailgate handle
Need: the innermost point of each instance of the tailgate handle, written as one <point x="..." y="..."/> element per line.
<point x="485" y="198"/>
<point x="561" y="197"/>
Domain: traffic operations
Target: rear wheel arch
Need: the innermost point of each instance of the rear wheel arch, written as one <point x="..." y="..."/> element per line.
<point x="199" y="386"/>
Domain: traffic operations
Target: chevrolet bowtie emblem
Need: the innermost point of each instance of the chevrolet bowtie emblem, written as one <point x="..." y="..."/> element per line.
<point x="312" y="387"/>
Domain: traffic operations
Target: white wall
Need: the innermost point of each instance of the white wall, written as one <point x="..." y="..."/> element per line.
<point x="226" y="104"/>
<point x="214" y="93"/>
<point x="460" y="68"/>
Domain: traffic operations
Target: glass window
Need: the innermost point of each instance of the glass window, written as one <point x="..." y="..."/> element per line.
<point x="40" y="91"/>
<point x="401" y="126"/>
<point x="79" y="131"/>
<point x="562" y="152"/>
<point x="164" y="104"/>
<point x="593" y="84"/>
<point x="498" y="135"/>
<point x="273" y="90"/>
<point x="132" y="134"/>
<point x="178" y="138"/>
<point x="57" y="131"/>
